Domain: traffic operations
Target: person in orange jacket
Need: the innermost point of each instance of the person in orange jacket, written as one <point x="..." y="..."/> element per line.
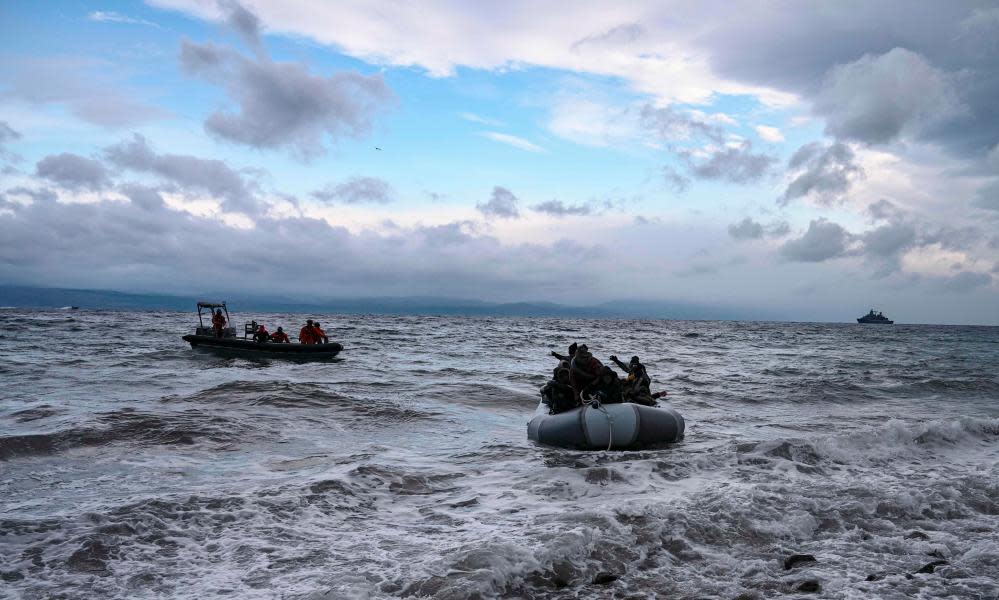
<point x="319" y="333"/>
<point x="218" y="323"/>
<point x="280" y="336"/>
<point x="308" y="333"/>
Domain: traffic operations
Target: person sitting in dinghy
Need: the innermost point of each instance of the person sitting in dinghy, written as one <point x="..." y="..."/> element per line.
<point x="636" y="387"/>
<point x="564" y="361"/>
<point x="280" y="336"/>
<point x="307" y="335"/>
<point x="557" y="393"/>
<point x="566" y="357"/>
<point x="606" y="387"/>
<point x="261" y="335"/>
<point x="583" y="369"/>
<point x="319" y="334"/>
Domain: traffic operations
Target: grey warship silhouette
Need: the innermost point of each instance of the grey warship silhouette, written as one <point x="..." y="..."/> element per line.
<point x="876" y="318"/>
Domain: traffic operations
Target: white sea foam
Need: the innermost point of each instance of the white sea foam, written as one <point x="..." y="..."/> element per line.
<point x="161" y="473"/>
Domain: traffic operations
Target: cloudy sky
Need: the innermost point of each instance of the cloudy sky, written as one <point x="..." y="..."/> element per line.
<point x="813" y="159"/>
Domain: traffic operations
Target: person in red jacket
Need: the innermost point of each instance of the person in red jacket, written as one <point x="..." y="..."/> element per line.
<point x="280" y="336"/>
<point x="308" y="333"/>
<point x="319" y="333"/>
<point x="262" y="335"/>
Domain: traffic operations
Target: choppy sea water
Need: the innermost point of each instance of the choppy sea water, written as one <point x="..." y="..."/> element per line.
<point x="132" y="466"/>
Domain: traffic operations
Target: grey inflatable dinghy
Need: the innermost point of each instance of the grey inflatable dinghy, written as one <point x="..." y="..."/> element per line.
<point x="606" y="426"/>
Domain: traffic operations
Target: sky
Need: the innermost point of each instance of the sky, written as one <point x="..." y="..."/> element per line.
<point x="807" y="159"/>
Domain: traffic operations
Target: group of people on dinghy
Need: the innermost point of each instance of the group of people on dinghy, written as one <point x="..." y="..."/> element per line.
<point x="580" y="376"/>
<point x="311" y="332"/>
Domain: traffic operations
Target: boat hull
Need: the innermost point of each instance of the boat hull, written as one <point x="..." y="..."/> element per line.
<point x="623" y="426"/>
<point x="873" y="322"/>
<point x="249" y="348"/>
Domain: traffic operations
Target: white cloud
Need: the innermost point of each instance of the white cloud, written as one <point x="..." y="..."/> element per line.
<point x="109" y="16"/>
<point x="474" y="118"/>
<point x="769" y="134"/>
<point x="512" y="140"/>
<point x="659" y="58"/>
<point x="591" y="123"/>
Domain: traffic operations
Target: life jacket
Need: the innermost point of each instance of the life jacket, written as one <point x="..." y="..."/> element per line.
<point x="280" y="336"/>
<point x="218" y="321"/>
<point x="319" y="333"/>
<point x="307" y="335"/>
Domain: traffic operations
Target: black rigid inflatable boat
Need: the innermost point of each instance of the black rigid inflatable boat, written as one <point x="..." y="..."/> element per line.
<point x="233" y="345"/>
<point x="206" y="338"/>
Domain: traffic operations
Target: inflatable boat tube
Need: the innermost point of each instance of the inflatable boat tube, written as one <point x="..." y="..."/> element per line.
<point x="249" y="348"/>
<point x="608" y="426"/>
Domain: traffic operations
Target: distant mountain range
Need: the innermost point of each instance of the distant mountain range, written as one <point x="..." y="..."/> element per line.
<point x="36" y="297"/>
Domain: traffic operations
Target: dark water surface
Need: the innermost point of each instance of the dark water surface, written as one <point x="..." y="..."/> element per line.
<point x="134" y="467"/>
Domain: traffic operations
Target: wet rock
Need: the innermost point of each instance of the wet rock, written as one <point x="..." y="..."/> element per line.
<point x="90" y="558"/>
<point x="797" y="559"/>
<point x="604" y="578"/>
<point x="747" y="596"/>
<point x="935" y="554"/>
<point x="931" y="567"/>
<point x="808" y="586"/>
<point x="9" y="576"/>
<point x="875" y="577"/>
<point x="916" y="535"/>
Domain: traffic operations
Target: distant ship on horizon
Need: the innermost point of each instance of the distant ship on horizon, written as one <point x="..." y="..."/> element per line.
<point x="875" y="317"/>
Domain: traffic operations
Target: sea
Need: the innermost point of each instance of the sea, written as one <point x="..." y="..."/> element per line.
<point x="821" y="460"/>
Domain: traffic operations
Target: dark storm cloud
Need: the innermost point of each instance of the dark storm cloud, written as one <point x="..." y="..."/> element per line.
<point x="882" y="210"/>
<point x="748" y="229"/>
<point x="671" y="125"/>
<point x="557" y="208"/>
<point x="356" y="190"/>
<point x="738" y="164"/>
<point x="83" y="86"/>
<point x="502" y="204"/>
<point x="144" y="197"/>
<point x="283" y="105"/>
<point x="889" y="240"/>
<point x="823" y="240"/>
<point x="677" y="130"/>
<point x="838" y="52"/>
<point x="142" y="243"/>
<point x="73" y="172"/>
<point x="876" y="98"/>
<point x="189" y="173"/>
<point x="823" y="172"/>
<point x="243" y="22"/>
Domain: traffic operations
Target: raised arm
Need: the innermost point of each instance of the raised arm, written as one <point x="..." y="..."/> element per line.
<point x="620" y="364"/>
